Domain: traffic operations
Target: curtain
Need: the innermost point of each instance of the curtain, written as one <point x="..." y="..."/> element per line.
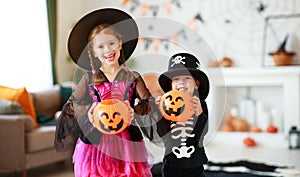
<point x="51" y="11"/>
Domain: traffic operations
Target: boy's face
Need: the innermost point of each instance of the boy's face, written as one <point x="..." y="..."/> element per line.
<point x="184" y="83"/>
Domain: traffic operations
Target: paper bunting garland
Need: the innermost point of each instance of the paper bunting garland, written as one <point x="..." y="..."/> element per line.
<point x="153" y="9"/>
<point x="147" y="9"/>
<point x="155" y="43"/>
<point x="193" y="22"/>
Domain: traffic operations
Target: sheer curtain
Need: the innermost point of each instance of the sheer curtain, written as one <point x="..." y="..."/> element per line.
<point x="25" y="58"/>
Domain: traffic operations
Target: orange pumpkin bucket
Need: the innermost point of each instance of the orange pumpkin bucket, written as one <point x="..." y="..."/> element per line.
<point x="175" y="106"/>
<point x="110" y="116"/>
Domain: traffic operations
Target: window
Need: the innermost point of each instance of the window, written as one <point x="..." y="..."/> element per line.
<point x="25" y="59"/>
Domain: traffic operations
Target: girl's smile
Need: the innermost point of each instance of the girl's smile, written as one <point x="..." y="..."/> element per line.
<point x="107" y="48"/>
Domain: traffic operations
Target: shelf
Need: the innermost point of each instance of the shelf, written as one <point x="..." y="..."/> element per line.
<point x="267" y="76"/>
<point x="288" y="78"/>
<point x="271" y="149"/>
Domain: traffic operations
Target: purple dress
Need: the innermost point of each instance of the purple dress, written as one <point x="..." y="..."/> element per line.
<point x="119" y="155"/>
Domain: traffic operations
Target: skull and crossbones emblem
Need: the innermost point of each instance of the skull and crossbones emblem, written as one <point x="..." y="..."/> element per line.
<point x="178" y="60"/>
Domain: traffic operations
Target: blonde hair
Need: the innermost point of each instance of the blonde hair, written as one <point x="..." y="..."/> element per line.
<point x="106" y="29"/>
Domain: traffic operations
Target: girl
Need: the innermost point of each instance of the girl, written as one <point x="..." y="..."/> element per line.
<point x="100" y="42"/>
<point x="184" y="152"/>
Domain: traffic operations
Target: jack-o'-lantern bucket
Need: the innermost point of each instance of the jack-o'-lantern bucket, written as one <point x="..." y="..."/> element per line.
<point x="175" y="106"/>
<point x="111" y="116"/>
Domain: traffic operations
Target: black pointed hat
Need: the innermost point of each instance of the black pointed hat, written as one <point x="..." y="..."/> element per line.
<point x="123" y="22"/>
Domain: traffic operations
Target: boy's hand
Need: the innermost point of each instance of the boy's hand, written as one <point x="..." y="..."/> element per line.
<point x="195" y="103"/>
<point x="130" y="111"/>
<point x="157" y="99"/>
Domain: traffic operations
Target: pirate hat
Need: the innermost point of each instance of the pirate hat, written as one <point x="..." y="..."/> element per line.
<point x="78" y="39"/>
<point x="184" y="64"/>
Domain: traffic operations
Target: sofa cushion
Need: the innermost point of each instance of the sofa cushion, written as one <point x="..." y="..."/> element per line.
<point x="21" y="96"/>
<point x="39" y="139"/>
<point x="47" y="102"/>
<point x="10" y="107"/>
<point x="65" y="92"/>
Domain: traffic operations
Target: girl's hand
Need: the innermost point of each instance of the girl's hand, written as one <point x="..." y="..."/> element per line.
<point x="130" y="111"/>
<point x="90" y="113"/>
<point x="197" y="108"/>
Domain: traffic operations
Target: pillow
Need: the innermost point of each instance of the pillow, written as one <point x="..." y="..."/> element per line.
<point x="47" y="102"/>
<point x="45" y="120"/>
<point x="10" y="107"/>
<point x="21" y="96"/>
<point x="65" y="93"/>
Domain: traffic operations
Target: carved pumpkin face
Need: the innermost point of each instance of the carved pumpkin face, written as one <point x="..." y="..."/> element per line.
<point x="110" y="116"/>
<point x="175" y="106"/>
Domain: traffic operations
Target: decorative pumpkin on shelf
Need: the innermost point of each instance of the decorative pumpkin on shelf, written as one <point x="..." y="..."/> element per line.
<point x="175" y="106"/>
<point x="282" y="57"/>
<point x="213" y="63"/>
<point x="234" y="123"/>
<point x="226" y="62"/>
<point x="110" y="116"/>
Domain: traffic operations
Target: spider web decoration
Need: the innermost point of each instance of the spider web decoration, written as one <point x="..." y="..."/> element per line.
<point x="235" y="28"/>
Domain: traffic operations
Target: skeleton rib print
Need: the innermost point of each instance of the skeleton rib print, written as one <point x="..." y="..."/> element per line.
<point x="183" y="130"/>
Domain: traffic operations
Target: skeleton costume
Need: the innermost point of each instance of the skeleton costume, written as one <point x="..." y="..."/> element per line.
<point x="97" y="154"/>
<point x="183" y="141"/>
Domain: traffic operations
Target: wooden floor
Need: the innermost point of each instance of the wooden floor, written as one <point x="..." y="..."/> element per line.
<point x="61" y="169"/>
<point x="65" y="169"/>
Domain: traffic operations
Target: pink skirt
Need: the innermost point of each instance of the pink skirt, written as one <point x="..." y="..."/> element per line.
<point x="115" y="156"/>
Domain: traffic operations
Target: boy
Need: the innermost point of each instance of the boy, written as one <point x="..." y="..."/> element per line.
<point x="184" y="152"/>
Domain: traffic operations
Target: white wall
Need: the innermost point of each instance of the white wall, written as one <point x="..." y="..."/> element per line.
<point x="231" y="28"/>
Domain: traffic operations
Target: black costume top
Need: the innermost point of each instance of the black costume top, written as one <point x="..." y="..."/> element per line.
<point x="184" y="140"/>
<point x="74" y="123"/>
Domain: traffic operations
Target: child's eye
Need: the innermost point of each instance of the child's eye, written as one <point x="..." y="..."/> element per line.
<point x="112" y="43"/>
<point x="100" y="46"/>
<point x="187" y="79"/>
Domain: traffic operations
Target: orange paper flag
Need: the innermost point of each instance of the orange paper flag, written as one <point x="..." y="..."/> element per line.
<point x="145" y="9"/>
<point x="125" y="2"/>
<point x="167" y="6"/>
<point x="173" y="39"/>
<point x="192" y="24"/>
<point x="156" y="44"/>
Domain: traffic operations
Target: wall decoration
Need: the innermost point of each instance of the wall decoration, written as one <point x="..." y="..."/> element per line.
<point x="149" y="43"/>
<point x="281" y="39"/>
<point x="193" y="22"/>
<point x="141" y="8"/>
<point x="155" y="43"/>
<point x="151" y="9"/>
<point x="235" y="28"/>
